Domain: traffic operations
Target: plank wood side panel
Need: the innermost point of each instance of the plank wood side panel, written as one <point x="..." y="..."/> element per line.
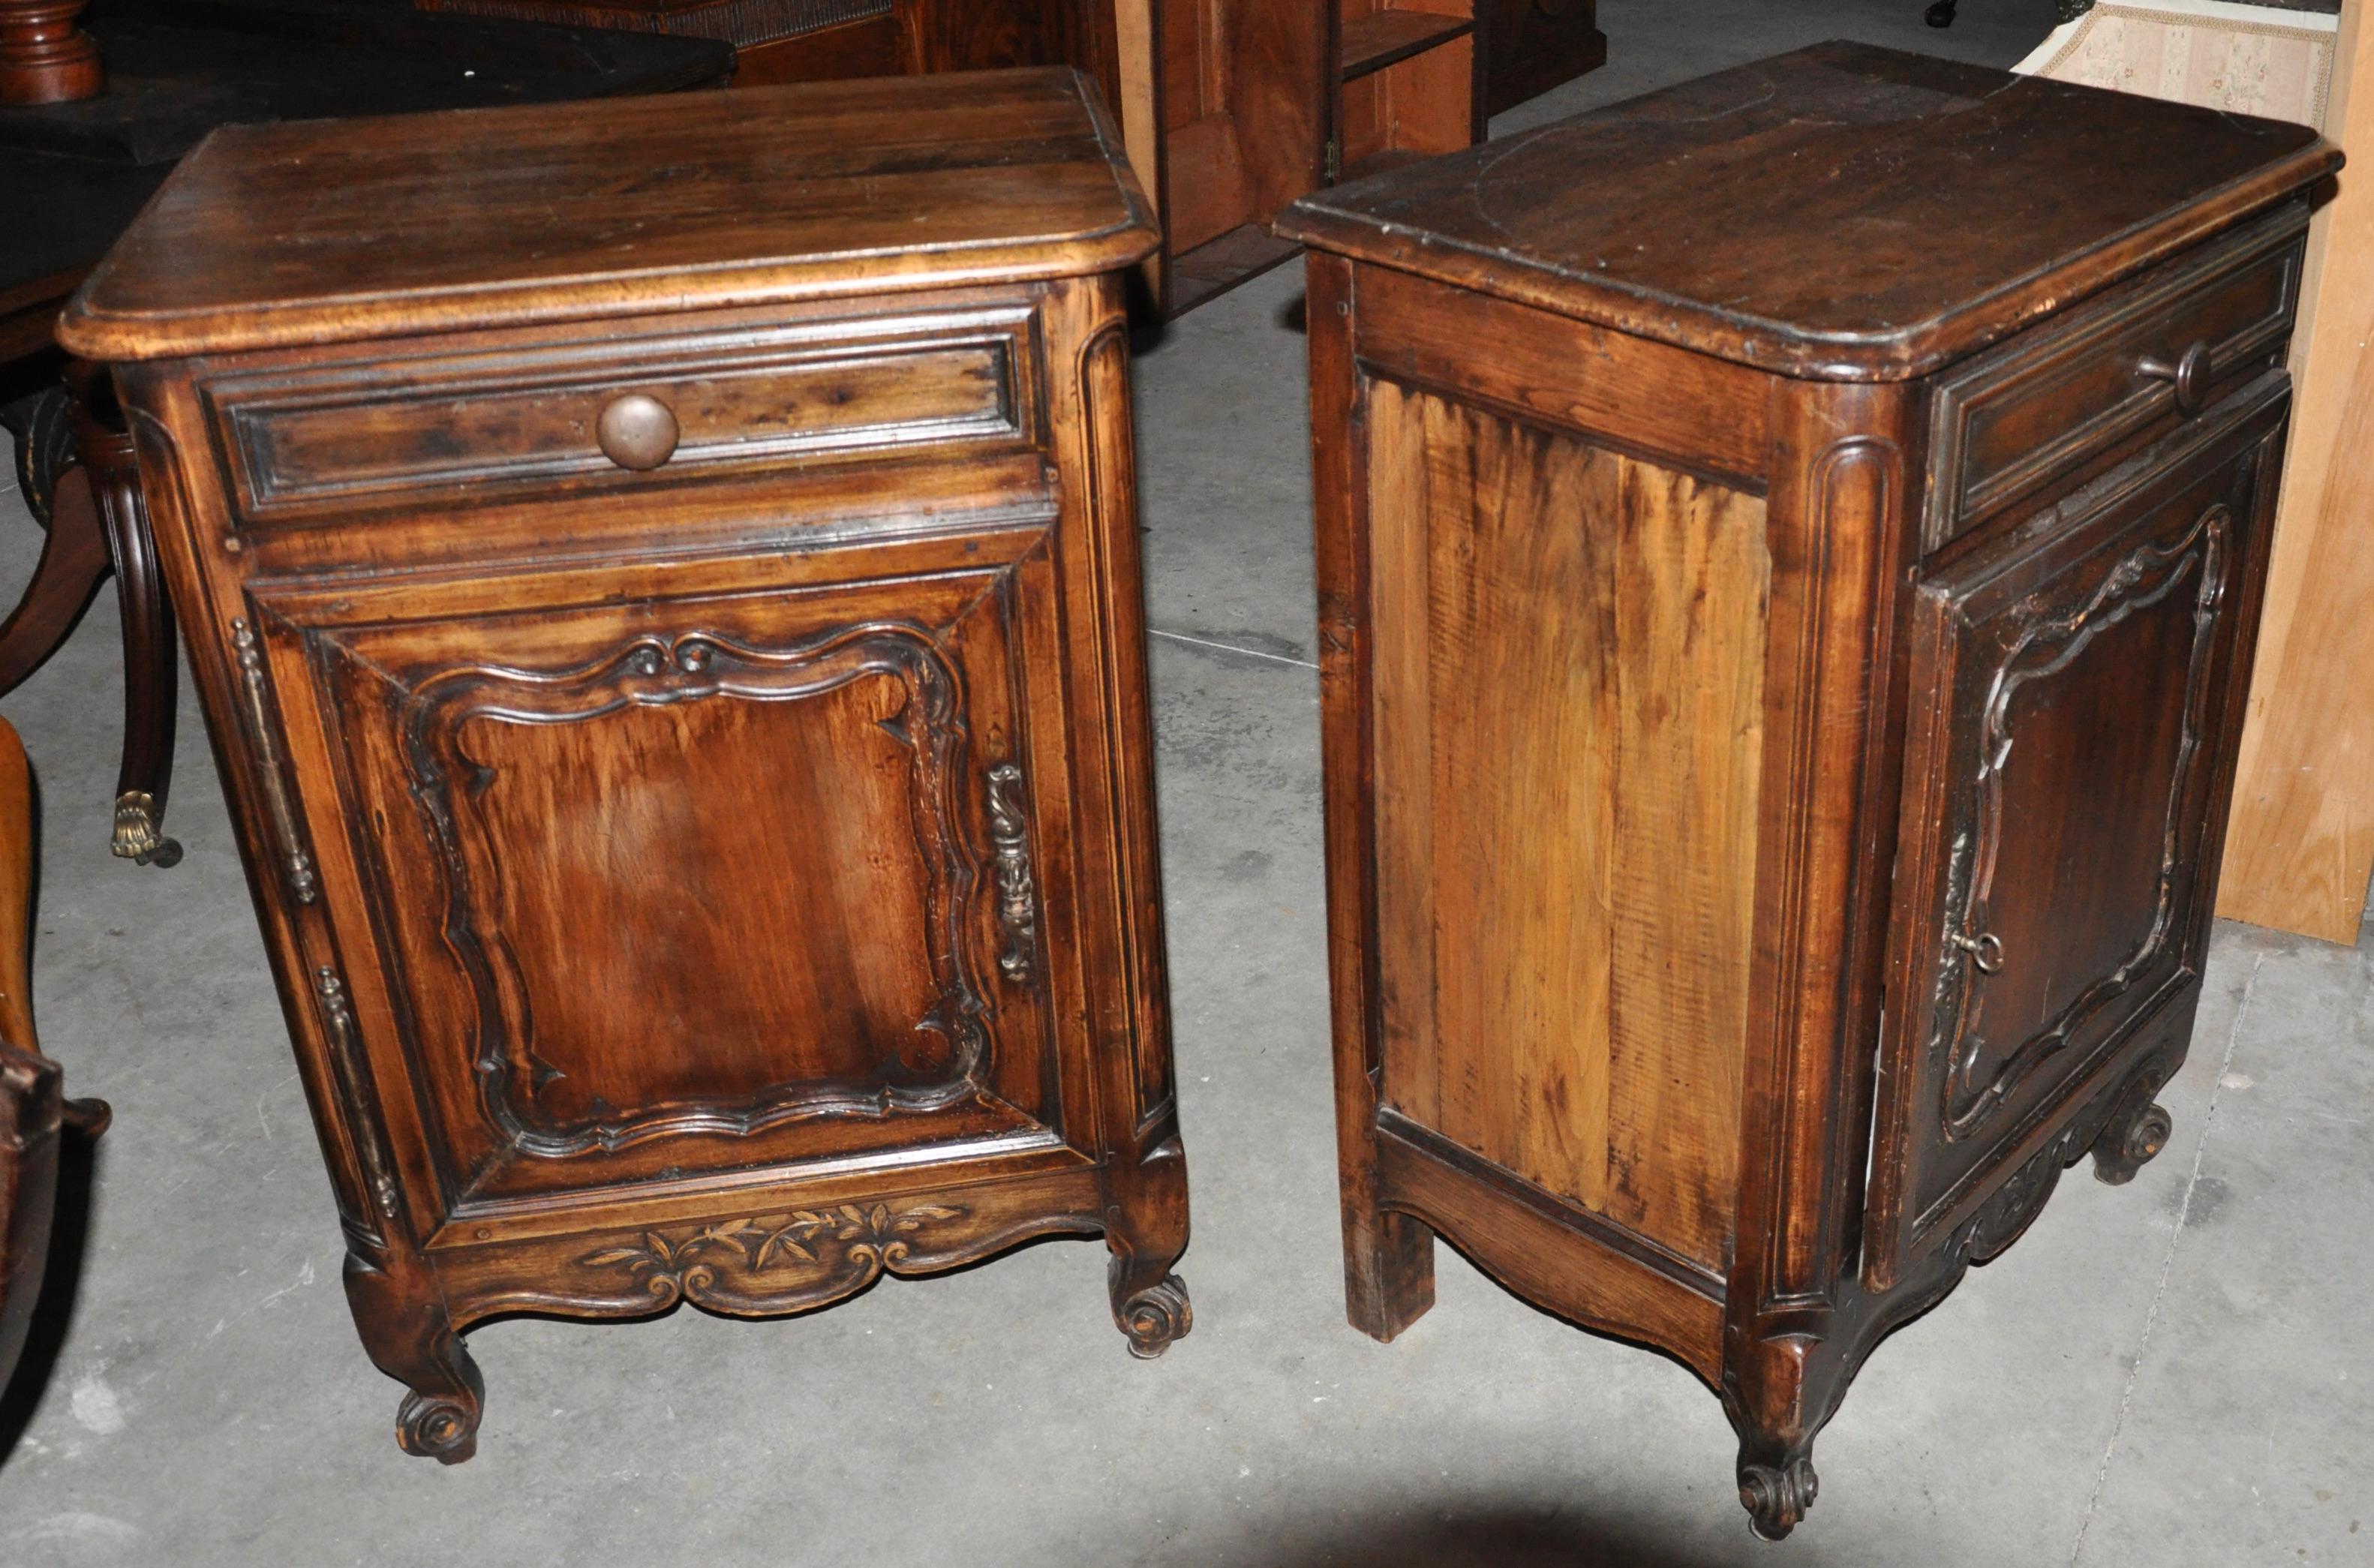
<point x="1568" y="811"/>
<point x="1398" y="506"/>
<point x="1692" y="576"/>
<point x="1523" y="790"/>
<point x="2301" y="845"/>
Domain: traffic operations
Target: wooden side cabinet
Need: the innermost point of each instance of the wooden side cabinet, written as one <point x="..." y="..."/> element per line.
<point x="1786" y="601"/>
<point x="676" y="652"/>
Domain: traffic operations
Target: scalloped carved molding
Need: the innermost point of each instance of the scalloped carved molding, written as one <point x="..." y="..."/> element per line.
<point x="799" y="1260"/>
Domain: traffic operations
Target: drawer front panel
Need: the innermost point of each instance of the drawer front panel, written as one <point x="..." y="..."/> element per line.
<point x="2062" y="786"/>
<point x="675" y="873"/>
<point x="404" y="432"/>
<point x="2042" y="406"/>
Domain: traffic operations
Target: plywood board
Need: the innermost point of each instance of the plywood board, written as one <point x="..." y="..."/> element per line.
<point x="2300" y="847"/>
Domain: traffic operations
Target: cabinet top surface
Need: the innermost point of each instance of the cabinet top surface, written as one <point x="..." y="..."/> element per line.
<point x="1844" y="211"/>
<point x="335" y="230"/>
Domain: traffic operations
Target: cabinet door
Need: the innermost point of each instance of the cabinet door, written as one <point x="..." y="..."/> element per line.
<point x="675" y="871"/>
<point x="2074" y="709"/>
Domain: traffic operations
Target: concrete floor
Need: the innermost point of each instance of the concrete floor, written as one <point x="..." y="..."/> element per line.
<point x="2169" y="1373"/>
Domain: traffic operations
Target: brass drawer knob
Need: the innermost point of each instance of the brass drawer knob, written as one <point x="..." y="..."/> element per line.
<point x="636" y="430"/>
<point x="2190" y="375"/>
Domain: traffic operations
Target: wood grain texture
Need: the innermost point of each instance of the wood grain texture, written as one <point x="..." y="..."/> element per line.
<point x="1567" y="779"/>
<point x="2301" y="846"/>
<point x="305" y="232"/>
<point x="1708" y="415"/>
<point x="1785" y="214"/>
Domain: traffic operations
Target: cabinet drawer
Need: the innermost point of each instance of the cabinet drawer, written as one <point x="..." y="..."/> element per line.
<point x="2044" y="404"/>
<point x="501" y="423"/>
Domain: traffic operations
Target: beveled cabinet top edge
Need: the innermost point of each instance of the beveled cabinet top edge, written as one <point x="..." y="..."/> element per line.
<point x="1682" y="226"/>
<point x="1017" y="176"/>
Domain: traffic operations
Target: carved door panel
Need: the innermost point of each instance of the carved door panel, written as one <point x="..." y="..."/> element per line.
<point x="2075" y="701"/>
<point x="681" y="871"/>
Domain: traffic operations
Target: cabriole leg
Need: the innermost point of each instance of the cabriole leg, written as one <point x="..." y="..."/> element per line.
<point x="413" y="1340"/>
<point x="1146" y="1227"/>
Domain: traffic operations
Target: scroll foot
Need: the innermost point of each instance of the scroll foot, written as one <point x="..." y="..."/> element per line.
<point x="2129" y="1142"/>
<point x="1156" y="1316"/>
<point x="1776" y="1497"/>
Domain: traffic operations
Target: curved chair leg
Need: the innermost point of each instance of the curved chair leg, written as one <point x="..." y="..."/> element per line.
<point x="74" y="558"/>
<point x="32" y="1107"/>
<point x="151" y="693"/>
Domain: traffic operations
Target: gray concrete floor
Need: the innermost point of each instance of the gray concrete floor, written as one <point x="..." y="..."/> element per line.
<point x="2170" y="1374"/>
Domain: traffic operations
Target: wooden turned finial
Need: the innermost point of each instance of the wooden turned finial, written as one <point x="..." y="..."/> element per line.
<point x="44" y="57"/>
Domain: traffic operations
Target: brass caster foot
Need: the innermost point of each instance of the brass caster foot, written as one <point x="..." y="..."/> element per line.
<point x="137" y="835"/>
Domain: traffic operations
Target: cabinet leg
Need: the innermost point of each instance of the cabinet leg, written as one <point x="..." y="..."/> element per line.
<point x="2134" y="1135"/>
<point x="1150" y="1303"/>
<point x="1778" y="1394"/>
<point x="1777" y="1485"/>
<point x="1388" y="1271"/>
<point x="413" y="1341"/>
<point x="1146" y="1227"/>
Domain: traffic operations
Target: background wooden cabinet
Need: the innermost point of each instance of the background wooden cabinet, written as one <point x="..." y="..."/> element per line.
<point x="684" y="713"/>
<point x="1230" y="109"/>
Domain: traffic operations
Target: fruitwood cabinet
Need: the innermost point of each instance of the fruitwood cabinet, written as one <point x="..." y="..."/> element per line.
<point x="1786" y="599"/>
<point x="675" y="646"/>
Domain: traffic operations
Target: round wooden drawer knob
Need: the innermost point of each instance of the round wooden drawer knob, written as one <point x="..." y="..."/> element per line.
<point x="637" y="431"/>
<point x="2190" y="375"/>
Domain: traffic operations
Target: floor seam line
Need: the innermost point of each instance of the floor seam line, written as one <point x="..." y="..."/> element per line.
<point x="2168" y="1262"/>
<point x="1231" y="648"/>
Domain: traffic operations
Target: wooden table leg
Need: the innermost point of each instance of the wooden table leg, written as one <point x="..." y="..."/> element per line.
<point x="45" y="57"/>
<point x="151" y="692"/>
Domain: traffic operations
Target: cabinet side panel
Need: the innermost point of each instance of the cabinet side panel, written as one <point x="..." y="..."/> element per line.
<point x="1569" y="713"/>
<point x="1692" y="576"/>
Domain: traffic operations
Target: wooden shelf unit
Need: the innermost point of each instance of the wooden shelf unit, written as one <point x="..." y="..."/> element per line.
<point x="1231" y="109"/>
<point x="1377" y="39"/>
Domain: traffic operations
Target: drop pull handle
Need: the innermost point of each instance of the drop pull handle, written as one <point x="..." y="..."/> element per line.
<point x="1017" y="890"/>
<point x="2190" y="375"/>
<point x="636" y="430"/>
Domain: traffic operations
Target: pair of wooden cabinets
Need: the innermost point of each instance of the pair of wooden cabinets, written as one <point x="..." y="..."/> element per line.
<point x="677" y="649"/>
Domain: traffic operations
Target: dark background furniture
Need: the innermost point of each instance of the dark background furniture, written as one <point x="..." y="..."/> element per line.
<point x="1531" y="46"/>
<point x="678" y="652"/>
<point x="1787" y="596"/>
<point x="1230" y="109"/>
<point x="72" y="173"/>
<point x="34" y="1112"/>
